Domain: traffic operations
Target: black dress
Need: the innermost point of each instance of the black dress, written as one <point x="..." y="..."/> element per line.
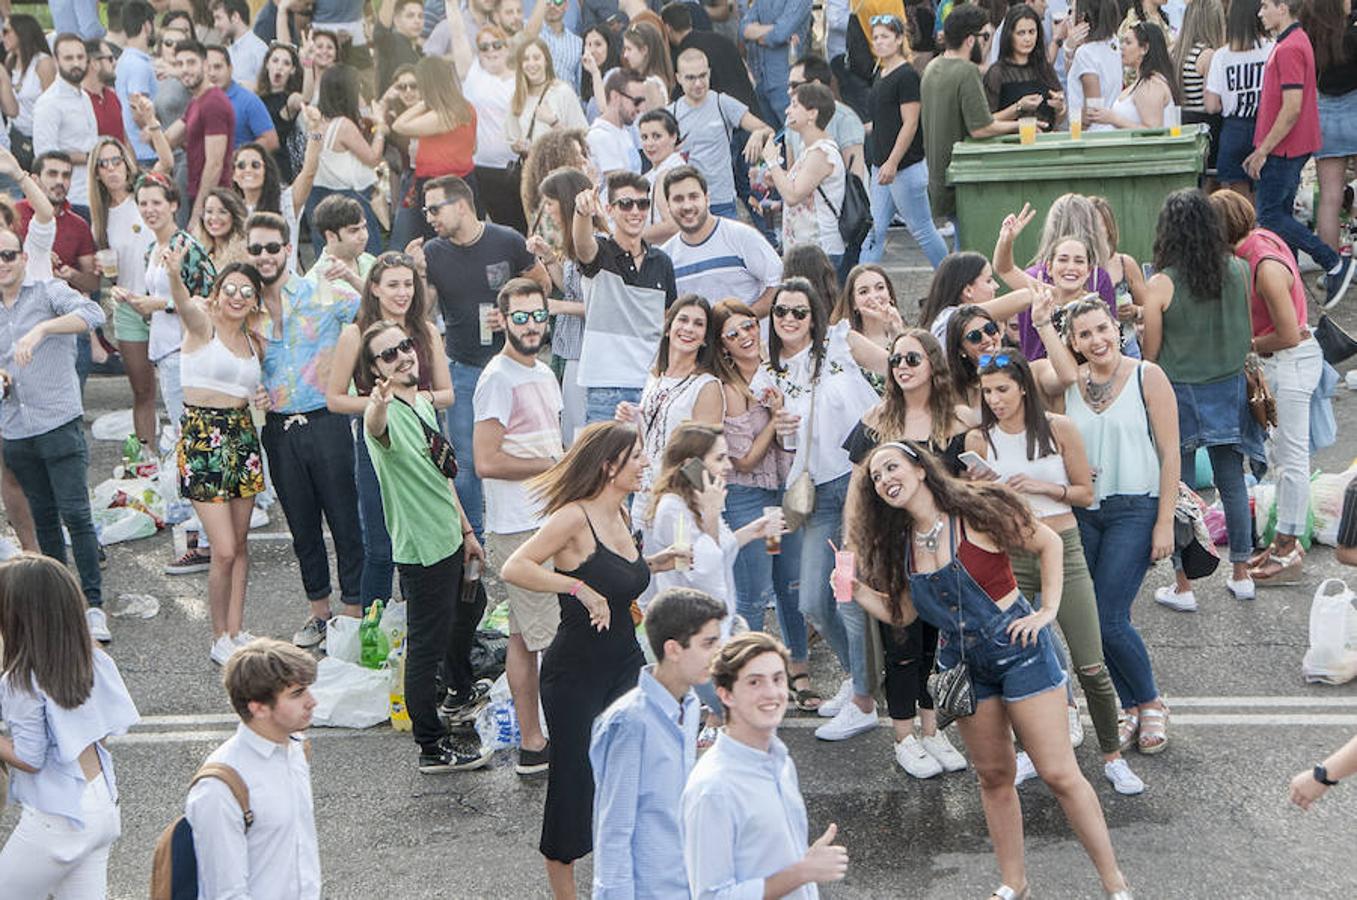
<point x="583" y="671"/>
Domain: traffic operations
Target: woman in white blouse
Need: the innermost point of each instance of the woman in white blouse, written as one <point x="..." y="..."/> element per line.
<point x="541" y="102"/>
<point x="812" y="192"/>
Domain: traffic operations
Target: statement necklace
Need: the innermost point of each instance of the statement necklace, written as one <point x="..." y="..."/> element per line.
<point x="929" y="539"/>
<point x="1100" y="393"/>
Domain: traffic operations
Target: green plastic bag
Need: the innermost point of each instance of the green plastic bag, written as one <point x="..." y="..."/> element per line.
<point x="375" y="647"/>
<point x="1270" y="529"/>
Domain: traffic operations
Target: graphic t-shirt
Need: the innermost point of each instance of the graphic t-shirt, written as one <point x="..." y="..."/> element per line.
<point x="527" y="402"/>
<point x="466" y="277"/>
<point x="1236" y="77"/>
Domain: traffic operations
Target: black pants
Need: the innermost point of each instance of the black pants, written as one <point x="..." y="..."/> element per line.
<point x="441" y="630"/>
<point x="311" y="461"/>
<point x="497" y="196"/>
<point x="909" y="660"/>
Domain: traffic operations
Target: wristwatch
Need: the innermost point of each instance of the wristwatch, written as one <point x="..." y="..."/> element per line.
<point x="1322" y="776"/>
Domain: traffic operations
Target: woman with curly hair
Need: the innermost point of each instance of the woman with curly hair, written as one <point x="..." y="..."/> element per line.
<point x="933" y="547"/>
<point x="557" y="149"/>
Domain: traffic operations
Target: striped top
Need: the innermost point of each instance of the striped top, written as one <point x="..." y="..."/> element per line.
<point x="1194" y="80"/>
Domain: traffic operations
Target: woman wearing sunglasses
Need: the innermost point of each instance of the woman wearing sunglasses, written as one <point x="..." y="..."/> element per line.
<point x="966" y="279"/>
<point x="221" y="466"/>
<point x="1041" y="456"/>
<point x="393" y="292"/>
<point x="488" y="83"/>
<point x="973" y="333"/>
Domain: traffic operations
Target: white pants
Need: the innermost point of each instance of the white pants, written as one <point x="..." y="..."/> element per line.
<point x="1293" y="374"/>
<point x="47" y="855"/>
<point x="171" y="392"/>
<point x="574" y="398"/>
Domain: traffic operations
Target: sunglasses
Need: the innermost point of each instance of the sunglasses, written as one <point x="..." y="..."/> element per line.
<point x="431" y="209"/>
<point x="521" y="317"/>
<point x="743" y="328"/>
<point x="886" y="19"/>
<point x="9" y="256"/>
<point x="557" y="2"/>
<point x="243" y="164"/>
<point x="911" y="358"/>
<point x="110" y="162"/>
<point x="270" y="248"/>
<point x="407" y="86"/>
<point x="799" y="312"/>
<point x="976" y="335"/>
<point x="234" y="290"/>
<point x="390" y="353"/>
<point x="627" y="204"/>
<point x="635" y="101"/>
<point x="994" y="360"/>
<point x="396" y="258"/>
<point x="493" y="45"/>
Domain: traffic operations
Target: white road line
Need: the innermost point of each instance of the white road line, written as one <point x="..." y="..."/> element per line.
<point x="217" y="736"/>
<point x="203" y="719"/>
<point x="1270" y="702"/>
<point x="1249" y="720"/>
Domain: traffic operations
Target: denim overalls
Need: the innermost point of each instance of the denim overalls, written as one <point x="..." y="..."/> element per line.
<point x="951" y="600"/>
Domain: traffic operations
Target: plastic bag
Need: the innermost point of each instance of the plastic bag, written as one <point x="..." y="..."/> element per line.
<point x="489" y="650"/>
<point x="497" y="723"/>
<point x="394" y="622"/>
<point x="1326" y="503"/>
<point x="113" y="426"/>
<point x="341" y="639"/>
<point x="117" y="525"/>
<point x="350" y="696"/>
<point x="1332" y="657"/>
<point x="133" y="606"/>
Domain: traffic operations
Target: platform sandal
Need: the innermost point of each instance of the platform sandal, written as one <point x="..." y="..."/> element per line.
<point x="1004" y="892"/>
<point x="1154" y="735"/>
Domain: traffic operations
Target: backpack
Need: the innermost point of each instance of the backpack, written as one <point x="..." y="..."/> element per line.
<point x="855" y="218"/>
<point x="174" y="867"/>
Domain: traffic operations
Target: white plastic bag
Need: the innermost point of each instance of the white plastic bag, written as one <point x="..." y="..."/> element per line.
<point x="113" y="426"/>
<point x="497" y="723"/>
<point x="122" y="524"/>
<point x="1332" y="657"/>
<point x="350" y="696"/>
<point x="394" y="622"/>
<point x="341" y="639"/>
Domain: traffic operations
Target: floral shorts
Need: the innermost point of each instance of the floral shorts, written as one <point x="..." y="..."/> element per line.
<point x="219" y="455"/>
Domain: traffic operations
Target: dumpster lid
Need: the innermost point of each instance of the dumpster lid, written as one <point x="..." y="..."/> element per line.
<point x="1113" y="154"/>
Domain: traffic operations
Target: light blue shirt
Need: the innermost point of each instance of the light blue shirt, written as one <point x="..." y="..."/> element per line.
<point x="51" y="739"/>
<point x="135" y="75"/>
<point x="643" y="748"/>
<point x="743" y="821"/>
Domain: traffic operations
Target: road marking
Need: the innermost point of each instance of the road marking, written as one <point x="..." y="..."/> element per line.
<point x="217" y="736"/>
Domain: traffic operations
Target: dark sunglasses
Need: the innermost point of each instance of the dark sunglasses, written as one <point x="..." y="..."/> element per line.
<point x="243" y="164"/>
<point x="635" y="101"/>
<point x="270" y="248"/>
<point x="431" y="209"/>
<point x="627" y="204"/>
<point x="493" y="45"/>
<point x="994" y="360"/>
<point x="911" y="358"/>
<point x="407" y="86"/>
<point x="799" y="312"/>
<point x="395" y="258"/>
<point x="9" y="256"/>
<point x="742" y="328"/>
<point x="976" y="335"/>
<point x="390" y="353"/>
<point x="521" y="317"/>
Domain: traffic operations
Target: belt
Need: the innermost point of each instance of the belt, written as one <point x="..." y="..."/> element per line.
<point x="301" y="418"/>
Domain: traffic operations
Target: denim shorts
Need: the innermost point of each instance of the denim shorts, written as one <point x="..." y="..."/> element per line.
<point x="1338" y="125"/>
<point x="1236" y="142"/>
<point x="1001" y="668"/>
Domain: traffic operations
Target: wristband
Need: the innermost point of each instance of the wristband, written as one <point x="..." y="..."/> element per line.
<point x="1322" y="776"/>
<point x="575" y="588"/>
<point x="1064" y="492"/>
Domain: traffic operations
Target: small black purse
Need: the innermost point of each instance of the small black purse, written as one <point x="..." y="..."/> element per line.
<point x="441" y="451"/>
<point x="952" y="690"/>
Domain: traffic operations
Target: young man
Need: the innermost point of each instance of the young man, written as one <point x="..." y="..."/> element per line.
<point x="728" y="73"/>
<point x="232" y="19"/>
<point x="715" y="256"/>
<point x="643" y="748"/>
<point x="396" y="38"/>
<point x="567" y="48"/>
<point x="343" y="265"/>
<point x="517" y="436"/>
<point x="41" y="416"/>
<point x="1286" y="134"/>
<point x="629" y="284"/>
<point x="206" y="130"/>
<point x="954" y="107"/>
<point x="253" y="122"/>
<point x="277" y="857"/>
<point x="135" y="73"/>
<point x="431" y="540"/>
<point x="73" y="247"/>
<point x="769" y="28"/>
<point x="63" y="117"/>
<point x="466" y="265"/>
<point x="744" y="822"/>
<point x="98" y="83"/>
<point x="707" y="119"/>
<point x="310" y="449"/>
<point x="612" y="146"/>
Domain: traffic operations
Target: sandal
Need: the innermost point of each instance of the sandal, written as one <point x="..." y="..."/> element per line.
<point x="1279" y="569"/>
<point x="1153" y="730"/>
<point x="1272" y="549"/>
<point x="1128" y="727"/>
<point x="804" y="699"/>
<point x="1004" y="892"/>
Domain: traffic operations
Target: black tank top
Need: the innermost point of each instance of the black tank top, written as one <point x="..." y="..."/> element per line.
<point x="620" y="581"/>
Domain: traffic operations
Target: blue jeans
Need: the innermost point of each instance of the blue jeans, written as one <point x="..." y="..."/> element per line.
<point x="908" y="195"/>
<point x="725" y="210"/>
<point x="1227" y="463"/>
<point x="53" y="470"/>
<point x="756" y="572"/>
<point x="377" y="564"/>
<point x="600" y="403"/>
<point x="461" y="428"/>
<point x="1117" y="541"/>
<point x="78" y="17"/>
<point x="842" y="625"/>
<point x="1276" y="197"/>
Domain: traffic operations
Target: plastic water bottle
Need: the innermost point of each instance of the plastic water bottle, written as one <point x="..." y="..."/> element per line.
<point x="400" y="716"/>
<point x="373" y="642"/>
<point x="131" y="451"/>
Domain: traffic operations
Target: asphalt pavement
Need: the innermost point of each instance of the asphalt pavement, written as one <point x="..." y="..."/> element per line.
<point x="1213" y="822"/>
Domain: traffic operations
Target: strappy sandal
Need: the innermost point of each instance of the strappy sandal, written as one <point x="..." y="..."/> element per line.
<point x="1128" y="728"/>
<point x="1279" y="570"/>
<point x="1153" y="730"/>
<point x="805" y="699"/>
<point x="1004" y="892"/>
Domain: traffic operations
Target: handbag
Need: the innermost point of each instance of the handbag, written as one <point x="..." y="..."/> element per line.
<point x="798" y="502"/>
<point x="953" y="690"/>
<point x="855" y="219"/>
<point x="1262" y="405"/>
<point x="1191" y="539"/>
<point x="1336" y="343"/>
<point x="441" y="451"/>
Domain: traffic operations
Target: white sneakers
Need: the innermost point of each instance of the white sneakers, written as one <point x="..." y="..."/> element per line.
<point x="1184" y="602"/>
<point x="915" y="760"/>
<point x="849" y="721"/>
<point x="222" y="648"/>
<point x="1241" y="590"/>
<point x="1026" y="771"/>
<point x="1124" y="781"/>
<point x="941" y="749"/>
<point x="242" y="639"/>
<point x="830" y="708"/>
<point x="1076" y="727"/>
<point x="98" y="624"/>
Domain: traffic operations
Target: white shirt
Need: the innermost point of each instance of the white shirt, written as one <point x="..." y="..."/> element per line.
<point x="713" y="566"/>
<point x="527" y="402"/>
<point x="613" y="149"/>
<point x="166" y="331"/>
<point x="1236" y="77"/>
<point x="63" y="119"/>
<point x="38" y="244"/>
<point x="128" y="235"/>
<point x="247" y="54"/>
<point x="278" y="857"/>
<point x="734" y="261"/>
<point x="1104" y="60"/>
<point x="491" y="95"/>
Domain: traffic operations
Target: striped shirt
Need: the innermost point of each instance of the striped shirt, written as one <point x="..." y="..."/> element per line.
<point x="45" y="394"/>
<point x="734" y="261"/>
<point x="567" y="49"/>
<point x="624" y="314"/>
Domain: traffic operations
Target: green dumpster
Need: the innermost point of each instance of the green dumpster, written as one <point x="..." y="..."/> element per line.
<point x="1134" y="170"/>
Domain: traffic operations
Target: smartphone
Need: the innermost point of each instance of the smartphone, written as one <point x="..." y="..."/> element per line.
<point x="693" y="471"/>
<point x="976" y="464"/>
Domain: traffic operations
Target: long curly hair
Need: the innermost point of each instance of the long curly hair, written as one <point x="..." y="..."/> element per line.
<point x="881" y="534"/>
<point x="1191" y="238"/>
<point x="890" y="412"/>
<point x="555" y="149"/>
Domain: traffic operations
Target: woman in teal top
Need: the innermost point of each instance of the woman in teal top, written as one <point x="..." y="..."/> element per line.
<point x="1197" y="328"/>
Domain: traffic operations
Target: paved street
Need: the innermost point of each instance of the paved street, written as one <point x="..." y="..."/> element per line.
<point x="1213" y="822"/>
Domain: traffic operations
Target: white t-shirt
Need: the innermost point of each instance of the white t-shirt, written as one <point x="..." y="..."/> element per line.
<point x="129" y="236"/>
<point x="491" y="96"/>
<point x="527" y="402"/>
<point x="734" y="261"/>
<point x="713" y="566"/>
<point x="166" y="332"/>
<point x="38" y="247"/>
<point x="1236" y="77"/>
<point x="1104" y="60"/>
<point x="656" y="178"/>
<point x="613" y="149"/>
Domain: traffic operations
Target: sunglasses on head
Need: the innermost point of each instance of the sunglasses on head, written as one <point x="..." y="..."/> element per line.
<point x="493" y="45"/>
<point x="886" y="19"/>
<point x="976" y="335"/>
<point x="396" y="258"/>
<point x="270" y="248"/>
<point x="627" y="204"/>
<point x="743" y="328"/>
<point x="390" y="353"/>
<point x="234" y="290"/>
<point x="9" y="256"/>
<point x="911" y="358"/>
<point x="994" y="360"/>
<point x="521" y="317"/>
<point x="799" y="312"/>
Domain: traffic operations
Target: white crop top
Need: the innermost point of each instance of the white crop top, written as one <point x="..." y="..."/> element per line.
<point x="1009" y="458"/>
<point x="213" y="367"/>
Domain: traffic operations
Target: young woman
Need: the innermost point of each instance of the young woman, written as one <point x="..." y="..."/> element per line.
<point x="918" y="406"/>
<point x="31" y="70"/>
<point x="598" y="571"/>
<point x="1127" y="415"/>
<point x="1146" y="11"/>
<point x="1234" y="85"/>
<point x="808" y="261"/>
<point x="489" y="87"/>
<point x="973" y="333"/>
<point x="645" y="51"/>
<point x="759" y="467"/>
<point x="600" y="57"/>
<point x="868" y="302"/>
<point x="256" y="179"/>
<point x="1332" y="27"/>
<point x="568" y="149"/>
<point x="899" y="176"/>
<point x="1197" y="329"/>
<point x="1202" y="35"/>
<point x="1128" y="279"/>
<point x="62" y="698"/>
<point x="966" y="279"/>
<point x="813" y="189"/>
<point x="280" y="87"/>
<point x="1022" y="82"/>
<point x="319" y="54"/>
<point x="1041" y="456"/>
<point x="541" y="101"/>
<point x="1141" y="103"/>
<point x="222" y="228"/>
<point x="444" y="124"/>
<point x="221" y="465"/>
<point x="933" y="547"/>
<point x="1095" y="78"/>
<point x="347" y="160"/>
<point x="659" y="142"/>
<point x="393" y="292"/>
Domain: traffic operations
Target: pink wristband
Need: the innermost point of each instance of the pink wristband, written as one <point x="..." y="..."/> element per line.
<point x="575" y="588"/>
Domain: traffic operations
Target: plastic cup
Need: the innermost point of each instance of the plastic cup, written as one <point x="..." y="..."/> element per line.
<point x="1173" y="120"/>
<point x="108" y="263"/>
<point x="1076" y="129"/>
<point x="845" y="564"/>
<point x="487" y="336"/>
<point x="258" y="415"/>
<point x="772" y="536"/>
<point x="1027" y="129"/>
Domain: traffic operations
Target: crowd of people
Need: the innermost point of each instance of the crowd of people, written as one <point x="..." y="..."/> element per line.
<point x="358" y="257"/>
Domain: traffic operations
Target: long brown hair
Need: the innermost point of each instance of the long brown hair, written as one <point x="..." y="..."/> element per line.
<point x="691" y="440"/>
<point x="644" y="34"/>
<point x="43" y="629"/>
<point x="845" y="308"/>
<point x="563" y="186"/>
<point x="704" y="352"/>
<point x="942" y="401"/>
<point x="99" y="198"/>
<point x="722" y="366"/>
<point x="521" y="86"/>
<point x="880" y="533"/>
<point x="370" y="313"/>
<point x="583" y="472"/>
<point x="1325" y="24"/>
<point x="441" y="91"/>
<point x="234" y="243"/>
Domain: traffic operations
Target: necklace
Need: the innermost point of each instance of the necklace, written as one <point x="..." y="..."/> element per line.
<point x="929" y="539"/>
<point x="1100" y="392"/>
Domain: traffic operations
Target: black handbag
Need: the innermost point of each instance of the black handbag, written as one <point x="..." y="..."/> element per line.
<point x="441" y="451"/>
<point x="855" y="219"/>
<point x="952" y="690"/>
<point x="1336" y="343"/>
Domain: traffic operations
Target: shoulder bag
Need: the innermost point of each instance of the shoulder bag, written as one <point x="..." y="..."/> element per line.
<point x="441" y="451"/>
<point x="799" y="500"/>
<point x="855" y="219"/>
<point x="1262" y="405"/>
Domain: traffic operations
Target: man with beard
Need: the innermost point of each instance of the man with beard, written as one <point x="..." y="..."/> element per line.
<point x="310" y="449"/>
<point x="954" y="105"/>
<point x="518" y="435"/>
<point x="431" y="542"/>
<point x="612" y="143"/>
<point x="247" y="49"/>
<point x="206" y="130"/>
<point x="73" y="245"/>
<point x="253" y="122"/>
<point x="98" y="84"/>
<point x="714" y="256"/>
<point x="63" y="117"/>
